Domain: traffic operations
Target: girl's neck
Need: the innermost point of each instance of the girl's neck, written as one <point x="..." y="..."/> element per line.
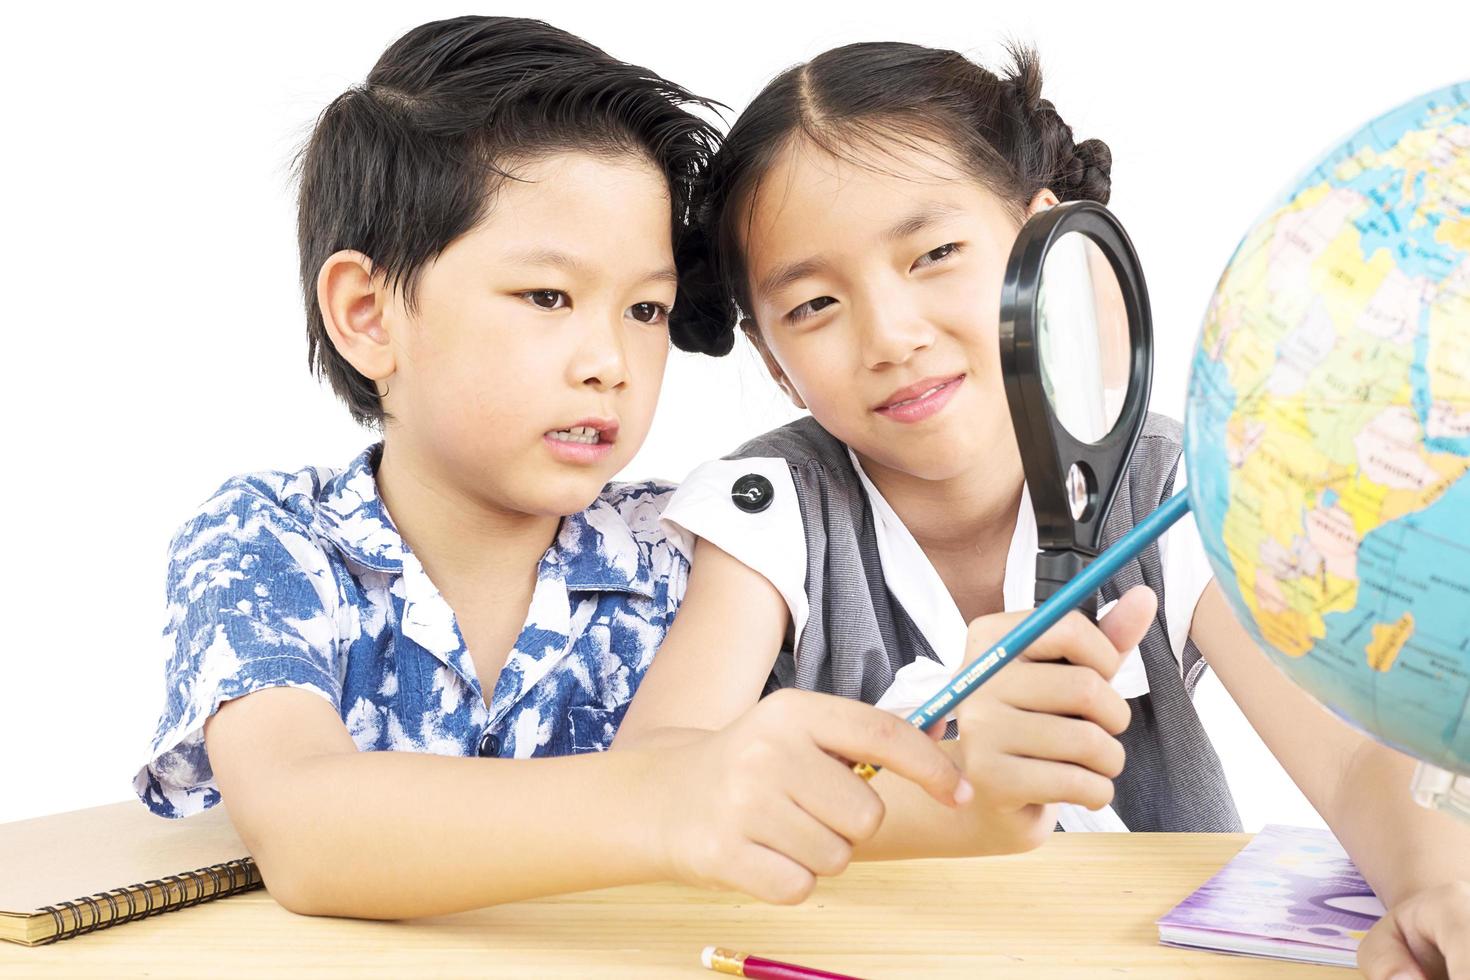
<point x="964" y="524"/>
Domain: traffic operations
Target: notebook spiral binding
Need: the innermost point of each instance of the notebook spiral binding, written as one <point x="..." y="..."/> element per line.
<point x="215" y="881"/>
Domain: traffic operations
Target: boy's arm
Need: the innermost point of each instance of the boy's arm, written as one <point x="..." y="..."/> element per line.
<point x="1022" y="752"/>
<point x="394" y="834"/>
<point x="1359" y="786"/>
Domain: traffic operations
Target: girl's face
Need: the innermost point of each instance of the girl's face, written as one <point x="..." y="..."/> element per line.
<point x="875" y="284"/>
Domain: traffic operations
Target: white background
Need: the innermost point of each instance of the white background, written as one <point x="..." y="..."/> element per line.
<point x="153" y="334"/>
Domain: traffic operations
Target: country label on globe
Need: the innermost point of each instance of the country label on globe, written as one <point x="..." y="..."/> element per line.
<point x="1327" y="433"/>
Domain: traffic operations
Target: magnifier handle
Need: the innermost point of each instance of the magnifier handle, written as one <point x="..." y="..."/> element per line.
<point x="1054" y="569"/>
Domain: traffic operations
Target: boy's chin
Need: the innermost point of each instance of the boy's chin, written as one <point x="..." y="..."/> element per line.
<point x="563" y="493"/>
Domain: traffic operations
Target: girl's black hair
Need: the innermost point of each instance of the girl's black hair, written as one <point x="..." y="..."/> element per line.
<point x="401" y="166"/>
<point x="871" y="94"/>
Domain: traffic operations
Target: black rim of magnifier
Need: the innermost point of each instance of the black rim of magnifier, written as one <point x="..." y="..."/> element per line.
<point x="1048" y="450"/>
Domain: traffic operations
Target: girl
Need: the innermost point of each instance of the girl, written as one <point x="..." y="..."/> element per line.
<point x="858" y="218"/>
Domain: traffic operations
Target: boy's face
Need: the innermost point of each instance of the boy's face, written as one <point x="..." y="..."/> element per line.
<point x="528" y="372"/>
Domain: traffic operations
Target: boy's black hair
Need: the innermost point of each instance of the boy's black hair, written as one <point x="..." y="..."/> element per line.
<point x="875" y="94"/>
<point x="403" y="165"/>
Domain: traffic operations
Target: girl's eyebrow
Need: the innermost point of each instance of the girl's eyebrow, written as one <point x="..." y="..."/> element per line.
<point x="922" y="217"/>
<point x="784" y="275"/>
<point x="926" y="214"/>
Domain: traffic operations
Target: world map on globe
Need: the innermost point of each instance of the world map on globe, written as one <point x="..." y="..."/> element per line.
<point x="1327" y="432"/>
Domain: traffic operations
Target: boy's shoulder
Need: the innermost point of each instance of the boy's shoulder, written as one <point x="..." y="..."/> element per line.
<point x="294" y="508"/>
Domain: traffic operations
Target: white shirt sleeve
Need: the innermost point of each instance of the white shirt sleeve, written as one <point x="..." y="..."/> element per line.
<point x="1187" y="573"/>
<point x="771" y="542"/>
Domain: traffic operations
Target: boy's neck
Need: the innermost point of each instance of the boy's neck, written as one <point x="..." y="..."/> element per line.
<point x="464" y="544"/>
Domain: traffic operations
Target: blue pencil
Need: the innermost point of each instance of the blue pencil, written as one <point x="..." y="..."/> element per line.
<point x="1045" y="616"/>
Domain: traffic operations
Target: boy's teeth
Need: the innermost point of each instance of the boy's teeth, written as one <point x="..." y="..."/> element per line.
<point x="584" y="434"/>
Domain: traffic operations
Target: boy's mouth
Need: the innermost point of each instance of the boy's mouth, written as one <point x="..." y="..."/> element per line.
<point x="584" y="434"/>
<point x="588" y="432"/>
<point x="588" y="441"/>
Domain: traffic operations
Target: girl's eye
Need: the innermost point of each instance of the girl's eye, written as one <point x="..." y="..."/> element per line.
<point x="936" y="255"/>
<point x="649" y="312"/>
<point x="810" y="308"/>
<point x="547" y="299"/>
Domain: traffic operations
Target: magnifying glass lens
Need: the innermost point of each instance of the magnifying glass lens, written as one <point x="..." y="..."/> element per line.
<point x="1082" y="337"/>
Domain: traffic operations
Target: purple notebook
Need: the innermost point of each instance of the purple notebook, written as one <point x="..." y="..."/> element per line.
<point x="1291" y="894"/>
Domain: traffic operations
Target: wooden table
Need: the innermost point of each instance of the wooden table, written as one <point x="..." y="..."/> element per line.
<point x="1083" y="905"/>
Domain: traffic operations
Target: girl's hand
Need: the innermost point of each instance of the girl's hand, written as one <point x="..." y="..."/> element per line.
<point x="1040" y="732"/>
<point x="767" y="804"/>
<point x="1424" y="937"/>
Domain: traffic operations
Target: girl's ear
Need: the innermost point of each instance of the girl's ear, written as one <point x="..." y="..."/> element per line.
<point x="352" y="302"/>
<point x="754" y="334"/>
<point x="1044" y="199"/>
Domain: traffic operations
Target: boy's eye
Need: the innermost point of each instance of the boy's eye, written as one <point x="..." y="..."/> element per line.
<point x="547" y="299"/>
<point x="649" y="312"/>
<point x="810" y="308"/>
<point x="936" y="255"/>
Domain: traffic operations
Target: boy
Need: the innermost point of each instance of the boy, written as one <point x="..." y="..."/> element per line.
<point x="487" y="233"/>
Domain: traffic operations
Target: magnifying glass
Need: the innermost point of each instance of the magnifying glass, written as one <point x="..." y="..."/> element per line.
<point x="1076" y="349"/>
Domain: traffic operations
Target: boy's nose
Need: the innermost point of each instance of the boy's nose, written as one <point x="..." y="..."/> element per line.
<point x="601" y="362"/>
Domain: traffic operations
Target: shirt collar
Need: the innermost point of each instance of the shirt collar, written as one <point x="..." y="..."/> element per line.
<point x="351" y="515"/>
<point x="594" y="550"/>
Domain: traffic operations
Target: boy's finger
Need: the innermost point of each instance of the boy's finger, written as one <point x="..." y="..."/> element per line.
<point x="770" y="876"/>
<point x="862" y="733"/>
<point x="828" y="791"/>
<point x="1126" y="622"/>
<point x="786" y="828"/>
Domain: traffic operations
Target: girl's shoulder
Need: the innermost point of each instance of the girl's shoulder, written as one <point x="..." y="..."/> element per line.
<point x="802" y="442"/>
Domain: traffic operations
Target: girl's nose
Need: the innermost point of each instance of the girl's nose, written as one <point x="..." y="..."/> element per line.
<point x="892" y="334"/>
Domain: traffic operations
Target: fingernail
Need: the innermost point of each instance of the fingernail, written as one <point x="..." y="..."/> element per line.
<point x="964" y="792"/>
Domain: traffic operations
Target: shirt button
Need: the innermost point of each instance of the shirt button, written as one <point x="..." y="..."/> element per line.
<point x="752" y="493"/>
<point x="489" y="745"/>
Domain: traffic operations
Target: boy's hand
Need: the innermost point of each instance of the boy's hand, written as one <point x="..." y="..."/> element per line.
<point x="1424" y="937"/>
<point x="768" y="803"/>
<point x="1041" y="732"/>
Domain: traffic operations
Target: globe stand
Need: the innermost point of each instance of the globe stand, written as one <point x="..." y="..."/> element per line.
<point x="1439" y="789"/>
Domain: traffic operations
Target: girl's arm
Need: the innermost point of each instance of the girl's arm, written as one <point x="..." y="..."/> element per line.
<point x="1018" y="747"/>
<point x="1408" y="853"/>
<point x="762" y="807"/>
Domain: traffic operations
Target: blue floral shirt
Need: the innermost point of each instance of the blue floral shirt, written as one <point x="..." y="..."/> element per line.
<point x="301" y="580"/>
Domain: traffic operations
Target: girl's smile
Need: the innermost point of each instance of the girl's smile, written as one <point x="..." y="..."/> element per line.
<point x="921" y="400"/>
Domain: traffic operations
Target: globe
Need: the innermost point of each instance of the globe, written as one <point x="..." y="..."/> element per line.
<point x="1327" y="431"/>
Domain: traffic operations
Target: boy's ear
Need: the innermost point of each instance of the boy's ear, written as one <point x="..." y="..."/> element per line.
<point x="352" y="301"/>
<point x="754" y="334"/>
<point x="1044" y="199"/>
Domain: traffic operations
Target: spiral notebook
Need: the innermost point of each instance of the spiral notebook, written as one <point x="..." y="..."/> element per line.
<point x="1291" y="894"/>
<point x="71" y="873"/>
